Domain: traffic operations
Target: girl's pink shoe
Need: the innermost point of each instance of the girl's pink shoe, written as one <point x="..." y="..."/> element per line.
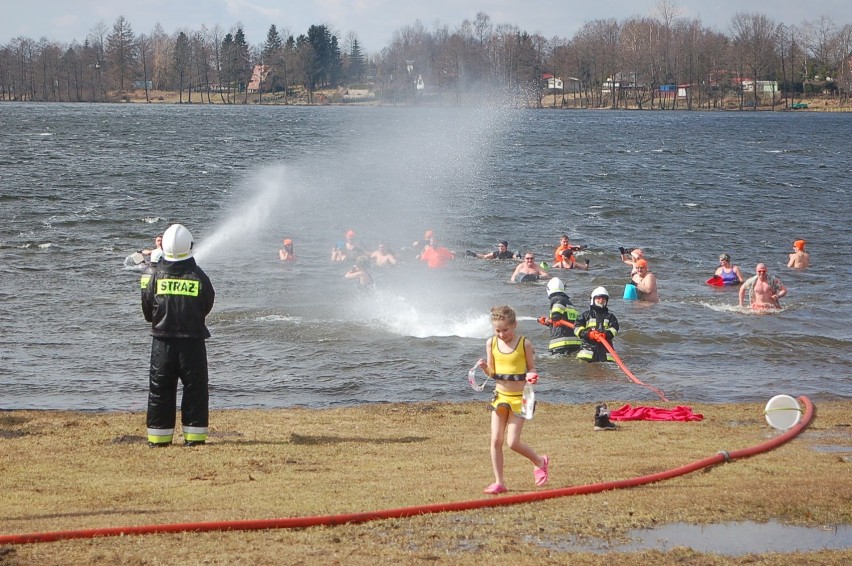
<point x="495" y="489"/>
<point x="541" y="474"/>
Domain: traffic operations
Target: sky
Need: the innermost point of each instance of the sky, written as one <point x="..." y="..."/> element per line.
<point x="374" y="21"/>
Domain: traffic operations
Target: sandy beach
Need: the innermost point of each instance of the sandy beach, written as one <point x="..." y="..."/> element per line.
<point x="77" y="470"/>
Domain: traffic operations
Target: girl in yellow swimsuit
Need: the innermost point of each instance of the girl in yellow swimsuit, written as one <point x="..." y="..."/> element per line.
<point x="511" y="364"/>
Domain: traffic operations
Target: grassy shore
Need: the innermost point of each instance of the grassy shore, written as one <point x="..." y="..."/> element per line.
<point x="77" y="470"/>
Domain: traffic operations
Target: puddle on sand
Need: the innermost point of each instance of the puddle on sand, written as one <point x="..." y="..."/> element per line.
<point x="730" y="539"/>
<point x="844" y="453"/>
<point x="831" y="448"/>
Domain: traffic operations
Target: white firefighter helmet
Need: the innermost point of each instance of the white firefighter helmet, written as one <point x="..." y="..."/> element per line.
<point x="598" y="292"/>
<point x="555" y="285"/>
<point x="177" y="243"/>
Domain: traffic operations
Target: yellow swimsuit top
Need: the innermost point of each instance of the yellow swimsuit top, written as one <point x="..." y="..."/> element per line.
<point x="512" y="366"/>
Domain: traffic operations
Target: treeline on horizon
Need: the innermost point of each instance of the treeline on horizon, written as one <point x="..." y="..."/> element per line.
<point x="606" y="63"/>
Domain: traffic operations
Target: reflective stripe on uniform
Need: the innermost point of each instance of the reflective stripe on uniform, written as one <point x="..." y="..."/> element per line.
<point x="563" y="342"/>
<point x="143" y="282"/>
<point x="591" y="324"/>
<point x="589" y="355"/>
<point x="161" y="435"/>
<point x="195" y="433"/>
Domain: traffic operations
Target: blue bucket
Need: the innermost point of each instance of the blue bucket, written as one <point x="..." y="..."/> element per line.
<point x="630" y="293"/>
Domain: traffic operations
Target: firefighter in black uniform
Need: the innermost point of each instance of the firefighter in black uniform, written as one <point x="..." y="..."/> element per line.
<point x="176" y="301"/>
<point x="562" y="337"/>
<point x="594" y="324"/>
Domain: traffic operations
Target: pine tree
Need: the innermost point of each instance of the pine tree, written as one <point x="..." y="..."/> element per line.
<point x="272" y="53"/>
<point x="121" y="52"/>
<point x="356" y="62"/>
<point x="181" y="61"/>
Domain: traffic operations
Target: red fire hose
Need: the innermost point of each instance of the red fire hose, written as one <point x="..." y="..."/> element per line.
<point x="328" y="520"/>
<point x="609" y="348"/>
<point x="629" y="374"/>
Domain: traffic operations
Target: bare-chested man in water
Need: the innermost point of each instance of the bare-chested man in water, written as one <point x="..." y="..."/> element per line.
<point x="764" y="291"/>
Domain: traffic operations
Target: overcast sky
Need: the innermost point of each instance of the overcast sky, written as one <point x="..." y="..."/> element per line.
<point x="375" y="21"/>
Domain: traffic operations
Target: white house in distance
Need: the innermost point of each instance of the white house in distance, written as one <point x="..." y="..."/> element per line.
<point x="764" y="87"/>
<point x="552" y="83"/>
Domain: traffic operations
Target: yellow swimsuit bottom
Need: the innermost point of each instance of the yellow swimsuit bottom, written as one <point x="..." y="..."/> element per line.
<point x="514" y="401"/>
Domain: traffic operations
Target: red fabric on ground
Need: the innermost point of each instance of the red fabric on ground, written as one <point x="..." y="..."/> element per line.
<point x="628" y="413"/>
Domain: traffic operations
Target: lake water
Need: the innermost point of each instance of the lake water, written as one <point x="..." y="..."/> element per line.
<point x="82" y="186"/>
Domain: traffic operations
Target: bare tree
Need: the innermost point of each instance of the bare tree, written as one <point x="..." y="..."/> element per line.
<point x="71" y="73"/>
<point x="755" y="44"/>
<point x="482" y="27"/>
<point x="162" y="49"/>
<point x="636" y="55"/>
<point x="667" y="14"/>
<point x="844" y="77"/>
<point x="827" y="49"/>
<point x="504" y="55"/>
<point x="47" y="70"/>
<point x="409" y="55"/>
<point x="304" y="64"/>
<point x="600" y="45"/>
<point x="144" y="45"/>
<point x="97" y="43"/>
<point x="200" y="63"/>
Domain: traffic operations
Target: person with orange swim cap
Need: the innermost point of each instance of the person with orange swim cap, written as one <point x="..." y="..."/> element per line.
<point x="799" y="259"/>
<point x="645" y="281"/>
<point x="286" y="253"/>
<point x="435" y="255"/>
<point x="351" y="247"/>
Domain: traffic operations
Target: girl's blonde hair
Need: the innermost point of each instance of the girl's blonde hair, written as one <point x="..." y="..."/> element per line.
<point x="504" y="312"/>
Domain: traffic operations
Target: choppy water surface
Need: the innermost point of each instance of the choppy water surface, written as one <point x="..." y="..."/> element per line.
<point x="83" y="186"/>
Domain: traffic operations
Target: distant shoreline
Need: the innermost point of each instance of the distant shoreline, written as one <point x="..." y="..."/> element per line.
<point x="549" y="102"/>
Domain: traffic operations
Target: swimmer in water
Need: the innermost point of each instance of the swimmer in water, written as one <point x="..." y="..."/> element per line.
<point x="286" y="253"/>
<point x="527" y="271"/>
<point x="360" y="274"/>
<point x="764" y="291"/>
<point x="568" y="261"/>
<point x="502" y="252"/>
<point x="564" y="244"/>
<point x="729" y="274"/>
<point x="799" y="259"/>
<point x="645" y="281"/>
<point x="383" y="256"/>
